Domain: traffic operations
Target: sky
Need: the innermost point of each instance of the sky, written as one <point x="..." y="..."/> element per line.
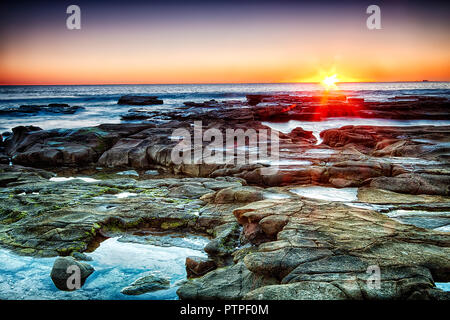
<point x="144" y="42"/>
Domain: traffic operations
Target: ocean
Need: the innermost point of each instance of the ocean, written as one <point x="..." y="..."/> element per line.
<point x="100" y="101"/>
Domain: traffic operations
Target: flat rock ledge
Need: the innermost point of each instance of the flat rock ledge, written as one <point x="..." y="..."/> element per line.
<point x="325" y="250"/>
<point x="45" y="218"/>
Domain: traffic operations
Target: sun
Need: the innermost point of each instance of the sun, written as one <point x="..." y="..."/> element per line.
<point x="330" y="81"/>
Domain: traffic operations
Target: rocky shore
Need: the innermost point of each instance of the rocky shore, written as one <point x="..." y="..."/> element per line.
<point x="286" y="235"/>
<point x="52" y="108"/>
<point x="284" y="107"/>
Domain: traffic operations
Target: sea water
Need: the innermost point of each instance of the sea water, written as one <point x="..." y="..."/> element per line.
<point x="100" y="101"/>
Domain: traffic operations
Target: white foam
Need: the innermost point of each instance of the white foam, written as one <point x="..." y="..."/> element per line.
<point x="63" y="179"/>
<point x="443" y="229"/>
<point x="125" y="195"/>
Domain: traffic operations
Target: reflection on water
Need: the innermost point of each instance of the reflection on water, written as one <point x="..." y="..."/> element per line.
<point x="327" y="193"/>
<point x="117" y="264"/>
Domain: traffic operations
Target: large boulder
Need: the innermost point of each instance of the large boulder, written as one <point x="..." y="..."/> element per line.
<point x="81" y="147"/>
<point x="68" y="274"/>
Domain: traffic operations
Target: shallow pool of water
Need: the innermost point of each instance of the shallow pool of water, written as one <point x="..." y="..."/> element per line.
<point x="436" y="220"/>
<point x="443" y="285"/>
<point x="327" y="193"/>
<point x="117" y="264"/>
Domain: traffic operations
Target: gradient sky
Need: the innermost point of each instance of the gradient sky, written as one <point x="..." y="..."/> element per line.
<point x="221" y="42"/>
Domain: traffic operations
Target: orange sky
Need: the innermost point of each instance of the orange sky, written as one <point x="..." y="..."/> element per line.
<point x="246" y="50"/>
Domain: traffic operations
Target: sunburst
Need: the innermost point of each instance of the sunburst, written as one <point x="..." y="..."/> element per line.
<point x="329" y="82"/>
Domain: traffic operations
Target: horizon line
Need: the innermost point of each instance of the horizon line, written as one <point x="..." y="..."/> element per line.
<point x="221" y="83"/>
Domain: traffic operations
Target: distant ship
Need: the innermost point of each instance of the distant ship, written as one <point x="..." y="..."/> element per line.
<point x="424" y="80"/>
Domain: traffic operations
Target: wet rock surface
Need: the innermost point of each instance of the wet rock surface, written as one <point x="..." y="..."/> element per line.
<point x="324" y="250"/>
<point x="342" y="206"/>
